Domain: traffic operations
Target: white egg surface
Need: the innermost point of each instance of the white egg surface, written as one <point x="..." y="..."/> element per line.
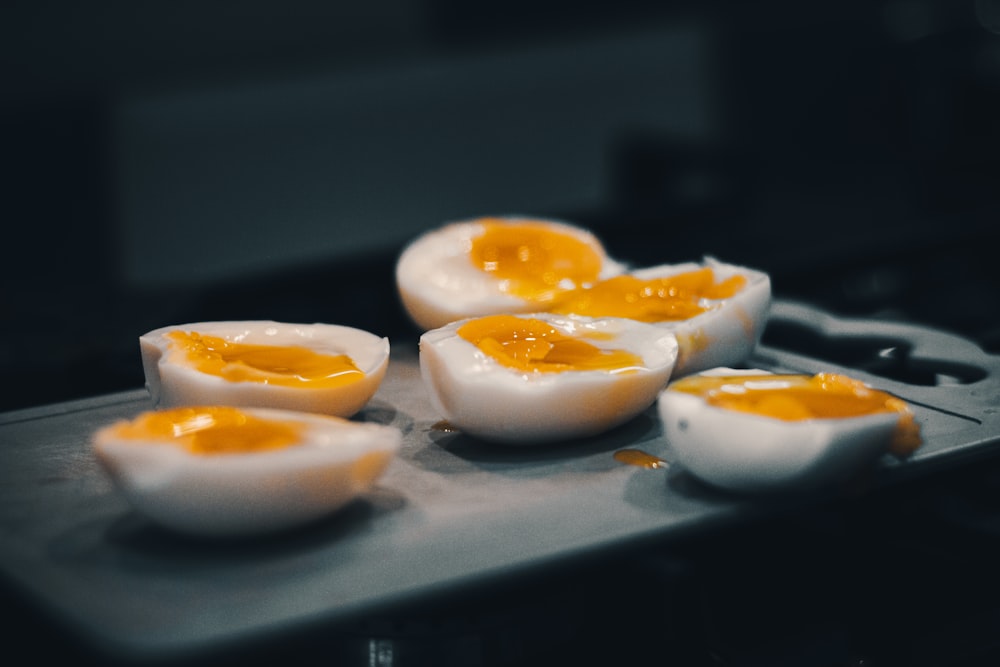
<point x="750" y="430"/>
<point x="226" y="471"/>
<point x="523" y="379"/>
<point x="321" y="368"/>
<point x="491" y="265"/>
<point x="717" y="310"/>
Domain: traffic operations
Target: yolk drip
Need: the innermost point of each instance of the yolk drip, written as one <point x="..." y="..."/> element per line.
<point x="287" y="366"/>
<point x="533" y="260"/>
<point x="671" y="298"/>
<point x="529" y="344"/>
<point x="212" y="430"/>
<point x="799" y="397"/>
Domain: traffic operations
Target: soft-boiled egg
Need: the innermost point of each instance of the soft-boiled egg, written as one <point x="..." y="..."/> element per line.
<point x="322" y="368"/>
<point x="226" y="471"/>
<point x="750" y="430"/>
<point x="541" y="377"/>
<point x="717" y="310"/>
<point x="491" y="265"/>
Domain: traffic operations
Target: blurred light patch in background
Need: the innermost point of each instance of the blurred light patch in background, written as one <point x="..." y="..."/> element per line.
<point x="225" y="181"/>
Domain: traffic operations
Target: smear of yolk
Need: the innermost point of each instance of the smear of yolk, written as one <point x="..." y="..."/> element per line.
<point x="533" y="260"/>
<point x="671" y="298"/>
<point x="799" y="397"/>
<point x="530" y="344"/>
<point x="637" y="457"/>
<point x="283" y="365"/>
<point x="212" y="430"/>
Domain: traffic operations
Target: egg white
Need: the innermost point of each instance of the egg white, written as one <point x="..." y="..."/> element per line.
<point x="172" y="382"/>
<point x="745" y="452"/>
<point x="479" y="396"/>
<point x="725" y="334"/>
<point x="237" y="494"/>
<point x="437" y="283"/>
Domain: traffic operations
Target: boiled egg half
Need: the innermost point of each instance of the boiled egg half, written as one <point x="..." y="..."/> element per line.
<point x="491" y="265"/>
<point x="321" y="368"/>
<point x="717" y="311"/>
<point x="750" y="430"/>
<point x="524" y="379"/>
<point x="227" y="471"/>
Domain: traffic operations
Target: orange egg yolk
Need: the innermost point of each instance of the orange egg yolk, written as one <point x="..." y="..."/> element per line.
<point x="799" y="397"/>
<point x="282" y="365"/>
<point x="533" y="345"/>
<point x="533" y="260"/>
<point x="671" y="298"/>
<point x="212" y="430"/>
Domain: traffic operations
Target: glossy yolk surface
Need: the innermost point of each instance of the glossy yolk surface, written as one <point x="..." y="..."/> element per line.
<point x="533" y="260"/>
<point x="799" y="397"/>
<point x="212" y="430"/>
<point x="671" y="298"/>
<point x="283" y="365"/>
<point x="530" y="344"/>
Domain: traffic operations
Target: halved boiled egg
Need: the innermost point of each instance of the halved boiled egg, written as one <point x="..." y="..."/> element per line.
<point x="750" y="430"/>
<point x="322" y="368"/>
<point x="222" y="470"/>
<point x="530" y="378"/>
<point x="717" y="311"/>
<point x="494" y="265"/>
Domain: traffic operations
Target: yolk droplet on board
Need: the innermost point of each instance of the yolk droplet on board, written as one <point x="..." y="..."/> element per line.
<point x="637" y="457"/>
<point x="283" y="365"/>
<point x="534" y="260"/>
<point x="530" y="344"/>
<point x="670" y="298"/>
<point x="212" y="430"/>
<point x="798" y="397"/>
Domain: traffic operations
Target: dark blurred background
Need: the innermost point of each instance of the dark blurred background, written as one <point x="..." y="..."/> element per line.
<point x="172" y="162"/>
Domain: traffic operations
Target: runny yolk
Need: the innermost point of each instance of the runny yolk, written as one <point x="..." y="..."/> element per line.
<point x="671" y="298"/>
<point x="533" y="345"/>
<point x="283" y="365"/>
<point x="533" y="260"/>
<point x="800" y="397"/>
<point x="212" y="430"/>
